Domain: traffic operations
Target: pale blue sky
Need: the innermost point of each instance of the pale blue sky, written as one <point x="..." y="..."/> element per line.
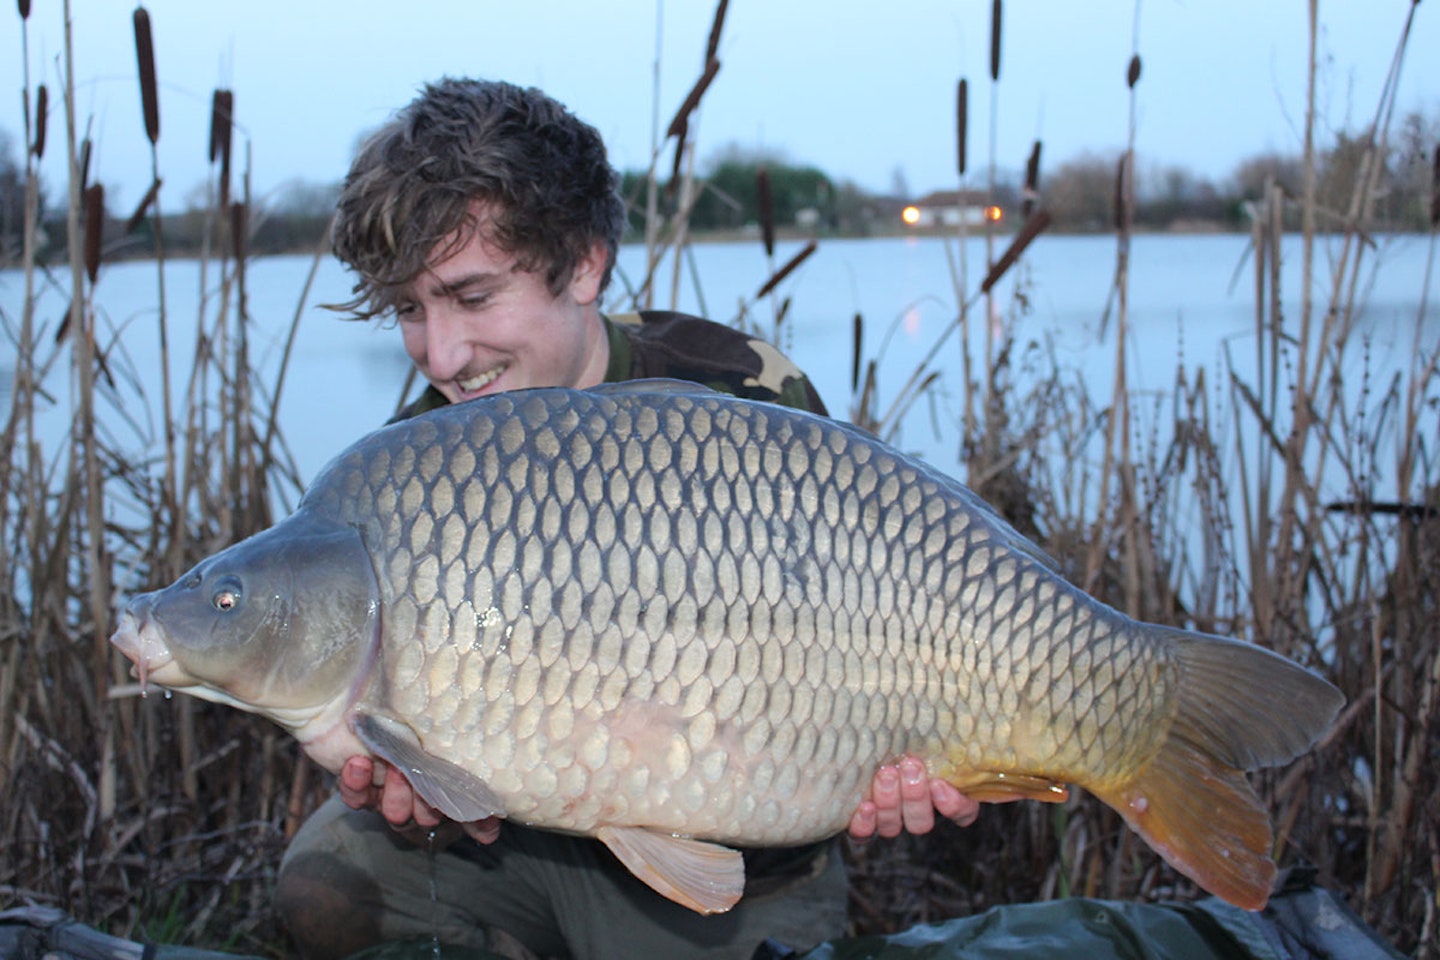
<point x="861" y="88"/>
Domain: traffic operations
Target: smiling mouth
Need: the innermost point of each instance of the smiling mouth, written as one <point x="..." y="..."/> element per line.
<point x="477" y="383"/>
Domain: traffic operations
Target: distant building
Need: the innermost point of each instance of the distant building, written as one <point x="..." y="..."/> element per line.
<point x="949" y="208"/>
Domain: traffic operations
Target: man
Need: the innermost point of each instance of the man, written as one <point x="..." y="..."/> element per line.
<point x="484" y="217"/>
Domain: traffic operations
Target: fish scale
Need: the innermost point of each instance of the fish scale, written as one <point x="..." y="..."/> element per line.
<point x="673" y="619"/>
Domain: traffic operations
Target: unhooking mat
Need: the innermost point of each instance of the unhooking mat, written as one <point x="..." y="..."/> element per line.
<point x="1302" y="922"/>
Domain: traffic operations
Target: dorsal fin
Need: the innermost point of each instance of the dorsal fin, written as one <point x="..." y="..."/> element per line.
<point x="653" y="385"/>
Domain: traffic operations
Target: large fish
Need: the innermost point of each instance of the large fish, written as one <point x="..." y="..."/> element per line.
<point x="674" y="620"/>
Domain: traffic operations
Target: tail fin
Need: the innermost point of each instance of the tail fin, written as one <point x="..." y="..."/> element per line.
<point x="1240" y="707"/>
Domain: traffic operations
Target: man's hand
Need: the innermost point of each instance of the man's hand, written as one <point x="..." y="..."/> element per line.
<point x="370" y="784"/>
<point x="902" y="797"/>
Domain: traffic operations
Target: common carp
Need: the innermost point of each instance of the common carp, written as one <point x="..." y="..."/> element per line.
<point x="676" y="620"/>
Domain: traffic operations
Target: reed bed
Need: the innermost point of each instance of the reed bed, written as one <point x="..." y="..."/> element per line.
<point x="1206" y="509"/>
<point x="1203" y="508"/>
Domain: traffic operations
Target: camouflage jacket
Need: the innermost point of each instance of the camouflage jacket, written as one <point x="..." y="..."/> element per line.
<point x="657" y="343"/>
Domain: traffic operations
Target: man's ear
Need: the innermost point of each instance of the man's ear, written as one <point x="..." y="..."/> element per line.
<point x="588" y="273"/>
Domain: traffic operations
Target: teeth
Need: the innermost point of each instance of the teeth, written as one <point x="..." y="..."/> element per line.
<point x="483" y="380"/>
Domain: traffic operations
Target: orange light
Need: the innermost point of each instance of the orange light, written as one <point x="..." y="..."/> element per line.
<point x="993" y="214"/>
<point x="911" y="215"/>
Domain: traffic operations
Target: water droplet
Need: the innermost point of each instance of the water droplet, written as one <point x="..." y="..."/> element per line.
<point x="434" y="896"/>
<point x="1140" y="805"/>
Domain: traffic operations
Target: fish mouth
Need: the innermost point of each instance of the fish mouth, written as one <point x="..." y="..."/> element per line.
<point x="151" y="659"/>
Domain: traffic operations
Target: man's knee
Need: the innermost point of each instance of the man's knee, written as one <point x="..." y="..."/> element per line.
<point x="331" y="909"/>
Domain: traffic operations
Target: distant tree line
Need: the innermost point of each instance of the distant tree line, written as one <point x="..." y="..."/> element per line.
<point x="1080" y="195"/>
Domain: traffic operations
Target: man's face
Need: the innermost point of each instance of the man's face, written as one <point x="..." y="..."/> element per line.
<point x="474" y="325"/>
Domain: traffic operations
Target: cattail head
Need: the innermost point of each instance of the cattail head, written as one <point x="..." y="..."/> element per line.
<point x="1132" y="73"/>
<point x="995" y="40"/>
<point x="712" y="47"/>
<point x="222" y="119"/>
<point x="766" y="202"/>
<point x="692" y="99"/>
<point x="962" y="120"/>
<point x="222" y="109"/>
<point x="1031" y="229"/>
<point x="94" y="228"/>
<point x="145" y="56"/>
<point x="42" y="110"/>
<point x="24" y="9"/>
<point x="1435" y="192"/>
<point x="143" y="206"/>
<point x="779" y="275"/>
<point x="1122" y="193"/>
<point x="1031" y="191"/>
<point x="679" y="134"/>
<point x="84" y="163"/>
<point x="858" y="341"/>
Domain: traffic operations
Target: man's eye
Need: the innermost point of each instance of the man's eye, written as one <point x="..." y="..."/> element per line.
<point x="475" y="302"/>
<point x="406" y="311"/>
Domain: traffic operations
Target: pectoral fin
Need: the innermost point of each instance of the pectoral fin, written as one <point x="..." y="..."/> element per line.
<point x="705" y="877"/>
<point x="449" y="788"/>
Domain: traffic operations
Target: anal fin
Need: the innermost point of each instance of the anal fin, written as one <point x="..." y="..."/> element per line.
<point x="706" y="877"/>
<point x="449" y="788"/>
<point x="998" y="786"/>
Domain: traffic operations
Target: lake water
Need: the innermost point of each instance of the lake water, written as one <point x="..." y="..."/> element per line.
<point x="1189" y="297"/>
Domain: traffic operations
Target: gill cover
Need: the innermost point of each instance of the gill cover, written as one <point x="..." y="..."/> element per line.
<point x="286" y="619"/>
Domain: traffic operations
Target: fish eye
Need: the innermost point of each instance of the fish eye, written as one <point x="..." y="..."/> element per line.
<point x="227" y="595"/>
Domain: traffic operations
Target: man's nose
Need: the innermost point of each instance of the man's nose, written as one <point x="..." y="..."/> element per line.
<point x="447" y="345"/>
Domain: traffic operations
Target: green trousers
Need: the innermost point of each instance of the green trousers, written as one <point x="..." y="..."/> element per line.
<point x="349" y="882"/>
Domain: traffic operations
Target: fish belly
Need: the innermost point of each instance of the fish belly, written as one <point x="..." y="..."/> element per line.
<point x="717" y="619"/>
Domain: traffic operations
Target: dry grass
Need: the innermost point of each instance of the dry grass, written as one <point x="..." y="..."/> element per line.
<point x="169" y="818"/>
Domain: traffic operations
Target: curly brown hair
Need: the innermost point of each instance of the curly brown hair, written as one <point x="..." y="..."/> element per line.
<point x="541" y="174"/>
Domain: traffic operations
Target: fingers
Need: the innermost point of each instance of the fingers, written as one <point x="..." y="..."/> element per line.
<point x="356" y="783"/>
<point x="366" y="783"/>
<point x="400" y="804"/>
<point x="903" y="799"/>
<point x="483" y="831"/>
<point x="917" y="809"/>
<point x="863" y="822"/>
<point x="952" y="804"/>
